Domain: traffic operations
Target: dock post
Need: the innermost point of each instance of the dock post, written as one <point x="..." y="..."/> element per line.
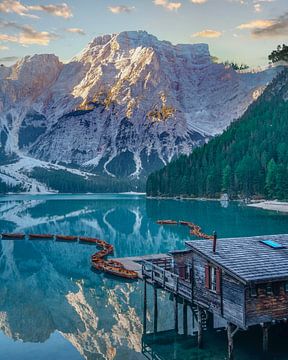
<point x="231" y="331"/>
<point x="145" y="308"/>
<point x="200" y="328"/>
<point x="230" y="341"/>
<point x="175" y="313"/>
<point x="265" y="329"/>
<point x="155" y="309"/>
<point x="185" y="324"/>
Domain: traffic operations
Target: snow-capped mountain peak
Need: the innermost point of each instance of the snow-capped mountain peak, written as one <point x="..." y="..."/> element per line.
<point x="126" y="105"/>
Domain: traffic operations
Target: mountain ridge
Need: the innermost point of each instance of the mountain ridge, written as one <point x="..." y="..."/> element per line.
<point x="250" y="158"/>
<point x="125" y="106"/>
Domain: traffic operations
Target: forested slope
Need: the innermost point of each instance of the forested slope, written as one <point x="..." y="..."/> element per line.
<point x="249" y="159"/>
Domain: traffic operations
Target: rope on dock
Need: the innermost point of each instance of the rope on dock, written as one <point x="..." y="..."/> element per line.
<point x="195" y="230"/>
<point x="98" y="260"/>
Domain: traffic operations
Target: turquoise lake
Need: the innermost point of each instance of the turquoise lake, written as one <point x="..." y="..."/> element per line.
<point x="52" y="305"/>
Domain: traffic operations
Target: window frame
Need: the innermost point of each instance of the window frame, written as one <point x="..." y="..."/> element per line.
<point x="213" y="278"/>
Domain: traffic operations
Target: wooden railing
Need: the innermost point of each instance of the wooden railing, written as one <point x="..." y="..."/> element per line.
<point x="163" y="274"/>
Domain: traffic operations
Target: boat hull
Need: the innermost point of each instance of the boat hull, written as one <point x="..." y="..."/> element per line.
<point x="40" y="236"/>
<point x="16" y="236"/>
<point x="66" y="238"/>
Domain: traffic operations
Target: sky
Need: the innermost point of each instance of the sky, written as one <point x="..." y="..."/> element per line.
<point x="245" y="31"/>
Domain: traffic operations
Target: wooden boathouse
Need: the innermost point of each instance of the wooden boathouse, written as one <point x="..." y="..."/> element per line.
<point x="242" y="280"/>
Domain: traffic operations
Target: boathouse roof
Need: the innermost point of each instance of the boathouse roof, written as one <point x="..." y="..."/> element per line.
<point x="248" y="258"/>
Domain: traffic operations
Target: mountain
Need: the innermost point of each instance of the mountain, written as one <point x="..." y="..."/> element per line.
<point x="249" y="159"/>
<point x="126" y="105"/>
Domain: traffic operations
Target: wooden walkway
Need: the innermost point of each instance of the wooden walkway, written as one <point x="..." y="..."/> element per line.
<point x="135" y="262"/>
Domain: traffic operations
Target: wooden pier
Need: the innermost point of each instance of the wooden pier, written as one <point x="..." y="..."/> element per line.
<point x="134" y="263"/>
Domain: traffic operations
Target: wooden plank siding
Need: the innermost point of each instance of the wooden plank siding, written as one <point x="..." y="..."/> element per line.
<point x="229" y="303"/>
<point x="266" y="308"/>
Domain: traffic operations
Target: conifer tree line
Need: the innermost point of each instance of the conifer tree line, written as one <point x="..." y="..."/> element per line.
<point x="249" y="159"/>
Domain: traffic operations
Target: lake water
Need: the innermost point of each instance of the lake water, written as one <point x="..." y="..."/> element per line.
<point x="53" y="305"/>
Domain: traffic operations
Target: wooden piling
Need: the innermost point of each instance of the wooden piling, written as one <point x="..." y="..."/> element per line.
<point x="175" y="313"/>
<point x="265" y="330"/>
<point x="145" y="308"/>
<point x="185" y="324"/>
<point x="231" y="331"/>
<point x="200" y="328"/>
<point x="155" y="309"/>
<point x="230" y="341"/>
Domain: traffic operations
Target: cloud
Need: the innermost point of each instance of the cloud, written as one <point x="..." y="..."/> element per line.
<point x="257" y="4"/>
<point x="208" y="34"/>
<point x="121" y="9"/>
<point x="15" y="6"/>
<point x="256" y="24"/>
<point x="62" y="10"/>
<point x="171" y="6"/>
<point x="76" y="31"/>
<point x="9" y="58"/>
<point x="27" y="35"/>
<point x="277" y="28"/>
<point x="3" y="47"/>
<point x="199" y="1"/>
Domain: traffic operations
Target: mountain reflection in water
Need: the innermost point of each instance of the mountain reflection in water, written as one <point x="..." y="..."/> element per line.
<point x="52" y="304"/>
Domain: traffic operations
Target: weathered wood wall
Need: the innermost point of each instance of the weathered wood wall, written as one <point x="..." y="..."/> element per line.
<point x="229" y="303"/>
<point x="265" y="308"/>
<point x="181" y="260"/>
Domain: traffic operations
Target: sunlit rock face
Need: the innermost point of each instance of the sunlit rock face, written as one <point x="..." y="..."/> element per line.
<point x="126" y="105"/>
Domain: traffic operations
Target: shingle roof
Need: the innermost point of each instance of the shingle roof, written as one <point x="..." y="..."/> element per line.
<point x="247" y="257"/>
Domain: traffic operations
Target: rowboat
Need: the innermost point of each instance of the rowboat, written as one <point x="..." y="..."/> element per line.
<point x="13" y="236"/>
<point x="40" y="236"/>
<point x="66" y="238"/>
<point x="166" y="222"/>
<point x="88" y="240"/>
<point x="186" y="223"/>
<point x="115" y="263"/>
<point x="124" y="273"/>
<point x="97" y="264"/>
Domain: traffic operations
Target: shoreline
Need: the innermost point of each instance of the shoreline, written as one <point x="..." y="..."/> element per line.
<point x="273" y="205"/>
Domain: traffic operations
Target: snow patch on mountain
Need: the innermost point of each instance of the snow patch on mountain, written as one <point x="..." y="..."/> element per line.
<point x="125" y="106"/>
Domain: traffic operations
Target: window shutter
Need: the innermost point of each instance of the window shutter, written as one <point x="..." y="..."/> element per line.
<point x="207" y="277"/>
<point x="218" y="280"/>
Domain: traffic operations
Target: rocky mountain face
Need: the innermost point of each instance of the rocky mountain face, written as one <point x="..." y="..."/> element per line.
<point x="125" y="106"/>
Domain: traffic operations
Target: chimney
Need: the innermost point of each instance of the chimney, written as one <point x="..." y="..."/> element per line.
<point x="214" y="241"/>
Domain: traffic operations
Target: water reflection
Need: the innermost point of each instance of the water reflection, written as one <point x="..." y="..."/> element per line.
<point x="48" y="291"/>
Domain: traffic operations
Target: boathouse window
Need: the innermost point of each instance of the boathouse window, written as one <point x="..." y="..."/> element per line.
<point x="276" y="289"/>
<point x="253" y="291"/>
<point x="187" y="272"/>
<point x="269" y="290"/>
<point x="213" y="278"/>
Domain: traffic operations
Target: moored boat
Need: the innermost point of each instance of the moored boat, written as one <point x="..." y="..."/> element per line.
<point x="186" y="223"/>
<point x="115" y="263"/>
<point x="167" y="222"/>
<point x="120" y="272"/>
<point x="97" y="264"/>
<point x="88" y="240"/>
<point x="40" y="236"/>
<point x="13" y="236"/>
<point x="66" y="238"/>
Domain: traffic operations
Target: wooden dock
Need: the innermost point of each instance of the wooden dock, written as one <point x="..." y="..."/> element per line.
<point x="135" y="262"/>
